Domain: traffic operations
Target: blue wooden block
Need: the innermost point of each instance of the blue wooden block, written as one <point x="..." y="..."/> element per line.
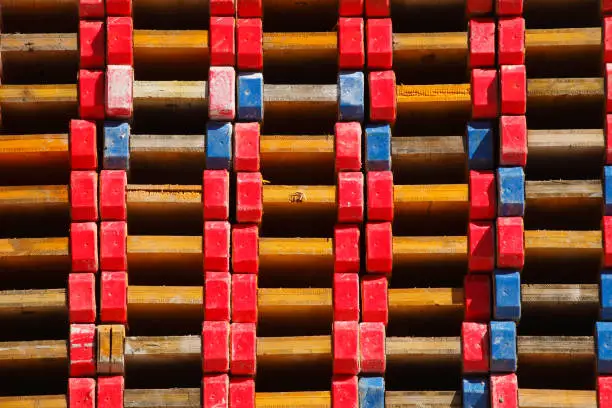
<point x="606" y="294"/>
<point x="116" y="146"/>
<point x="351" y="96"/>
<point x="378" y="147"/>
<point x="503" y="347"/>
<point x="607" y="189"/>
<point x="506" y="295"/>
<point x="371" y="392"/>
<point x="603" y="331"/>
<point x="510" y="192"/>
<point x="475" y="392"/>
<point x="218" y="145"/>
<point x="480" y="145"/>
<point x="250" y="96"/>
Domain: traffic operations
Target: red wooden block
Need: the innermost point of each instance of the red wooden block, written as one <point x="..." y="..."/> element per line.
<point x="91" y="44"/>
<point x="346" y="297"/>
<point x="511" y="41"/>
<point x="351" y="47"/>
<point x="607" y="240"/>
<point x="250" y="44"/>
<point x="607" y="39"/>
<point x="119" y="91"/>
<point x="113" y="297"/>
<point x="216" y="246"/>
<point x="222" y="8"/>
<point x="347" y="143"/>
<point x="477" y="297"/>
<point x="82" y="356"/>
<point x="346" y="347"/>
<point x="513" y="89"/>
<point x="244" y="298"/>
<point x="345" y="391"/>
<point x="510" y="242"/>
<point x="479" y="7"/>
<point x="350" y="197"/>
<point x="245" y="249"/>
<point x="81" y="393"/>
<point x="243" y="349"/>
<point x="84" y="246"/>
<point x="216" y="195"/>
<point x="608" y="80"/>
<point x="119" y="41"/>
<point x="113" y="185"/>
<point x="374" y="299"/>
<point x="119" y="8"/>
<point x="482" y="43"/>
<point x="372" y="338"/>
<point x="509" y="7"/>
<point x="346" y="249"/>
<point x="215" y="390"/>
<point x="350" y="8"/>
<point x="608" y="131"/>
<point x="383" y="100"/>
<point x="82" y="297"/>
<point x="484" y="93"/>
<point x="379" y="247"/>
<point x="83" y="147"/>
<point x="217" y="296"/>
<point x="606" y="6"/>
<point x="483" y="198"/>
<point x="83" y="195"/>
<point x="249" y="197"/>
<point x="475" y="347"/>
<point x="246" y="146"/>
<point x="242" y="392"/>
<point x="513" y="140"/>
<point x="113" y="245"/>
<point x="222" y="41"/>
<point x="215" y="346"/>
<point x="377" y="8"/>
<point x="110" y="391"/>
<point x="91" y="9"/>
<point x="481" y="241"/>
<point x="221" y="93"/>
<point x="604" y="391"/>
<point x="380" y="43"/>
<point x="380" y="195"/>
<point x="91" y="94"/>
<point x="249" y="8"/>
<point x="504" y="391"/>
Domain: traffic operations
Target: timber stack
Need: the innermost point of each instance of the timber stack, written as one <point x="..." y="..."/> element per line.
<point x="423" y="219"/>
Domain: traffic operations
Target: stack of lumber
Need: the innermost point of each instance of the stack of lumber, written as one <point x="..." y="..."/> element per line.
<point x="377" y="283"/>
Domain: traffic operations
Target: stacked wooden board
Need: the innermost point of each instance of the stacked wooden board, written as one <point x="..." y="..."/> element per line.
<point x="423" y="219"/>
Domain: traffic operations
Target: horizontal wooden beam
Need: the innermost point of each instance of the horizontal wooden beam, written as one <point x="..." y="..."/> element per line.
<point x="312" y="100"/>
<point x="185" y="201"/>
<point x="191" y="398"/>
<point x="281" y="48"/>
<point x="315" y="304"/>
<point x="274" y="352"/>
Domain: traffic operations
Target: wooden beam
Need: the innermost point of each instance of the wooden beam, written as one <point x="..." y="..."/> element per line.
<point x="34" y="152"/>
<point x="35" y="253"/>
<point x="311" y="100"/>
<point x="33" y="303"/>
<point x="184" y="202"/>
<point x="273" y="352"/>
<point x="35" y="401"/>
<point x="191" y="398"/>
<point x="282" y="48"/>
<point x="38" y="354"/>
